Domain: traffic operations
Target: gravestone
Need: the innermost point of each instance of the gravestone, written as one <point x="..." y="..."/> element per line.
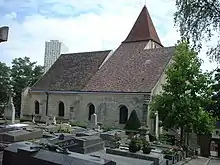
<point x="33" y="119"/>
<point x="47" y="120"/>
<point x="9" y="111"/>
<point x="54" y="120"/>
<point x="94" y="122"/>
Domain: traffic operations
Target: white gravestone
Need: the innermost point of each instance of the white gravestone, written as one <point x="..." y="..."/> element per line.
<point x="9" y="112"/>
<point x="157" y="125"/>
<point x="54" y="121"/>
<point x="33" y="120"/>
<point x="94" y="122"/>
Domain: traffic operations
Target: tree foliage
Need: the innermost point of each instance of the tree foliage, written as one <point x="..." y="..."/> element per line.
<point x="133" y="122"/>
<point x="199" y="20"/>
<point x="24" y="73"/>
<point x="185" y="93"/>
<point x="4" y="83"/>
<point x="214" y="106"/>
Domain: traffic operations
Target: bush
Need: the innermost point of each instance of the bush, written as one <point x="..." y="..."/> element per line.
<point x="133" y="122"/>
<point x="133" y="147"/>
<point x="152" y="138"/>
<point x="146" y="147"/>
<point x="79" y="124"/>
<point x="169" y="139"/>
<point x="139" y="144"/>
<point x="146" y="150"/>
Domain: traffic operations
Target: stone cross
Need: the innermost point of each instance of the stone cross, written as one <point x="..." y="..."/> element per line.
<point x="94" y="121"/>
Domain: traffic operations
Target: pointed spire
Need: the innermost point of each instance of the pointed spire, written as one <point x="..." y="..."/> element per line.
<point x="143" y="29"/>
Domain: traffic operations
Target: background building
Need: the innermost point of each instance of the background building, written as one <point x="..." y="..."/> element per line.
<point x="53" y="49"/>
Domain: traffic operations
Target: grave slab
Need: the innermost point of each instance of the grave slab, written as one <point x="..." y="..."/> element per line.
<point x="120" y="160"/>
<point x="22" y="152"/>
<point x="155" y="157"/>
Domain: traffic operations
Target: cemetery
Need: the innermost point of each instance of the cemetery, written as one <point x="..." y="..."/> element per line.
<point x="46" y="142"/>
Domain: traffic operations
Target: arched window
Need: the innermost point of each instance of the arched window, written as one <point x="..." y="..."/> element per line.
<point x="123" y="114"/>
<point x="61" y="109"/>
<point x="91" y="111"/>
<point x="36" y="107"/>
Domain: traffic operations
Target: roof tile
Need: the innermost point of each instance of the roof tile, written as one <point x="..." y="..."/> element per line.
<point x="143" y="29"/>
<point x="71" y="71"/>
<point x="131" y="69"/>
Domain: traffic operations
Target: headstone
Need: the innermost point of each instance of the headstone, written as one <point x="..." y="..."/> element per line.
<point x="47" y="120"/>
<point x="157" y="125"/>
<point x="94" y="121"/>
<point x="33" y="119"/>
<point x="9" y="112"/>
<point x="54" y="120"/>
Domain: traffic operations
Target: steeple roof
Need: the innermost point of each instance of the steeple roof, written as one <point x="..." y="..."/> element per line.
<point x="143" y="29"/>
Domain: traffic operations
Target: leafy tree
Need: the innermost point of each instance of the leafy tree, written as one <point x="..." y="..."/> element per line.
<point x="133" y="122"/>
<point x="4" y="83"/>
<point x="214" y="106"/>
<point x="198" y="20"/>
<point x="204" y="123"/>
<point x="24" y="73"/>
<point x="185" y="92"/>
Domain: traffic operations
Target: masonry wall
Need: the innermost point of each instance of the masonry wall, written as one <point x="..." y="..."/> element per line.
<point x="77" y="106"/>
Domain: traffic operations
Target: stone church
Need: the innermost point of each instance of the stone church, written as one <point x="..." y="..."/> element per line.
<point x="109" y="83"/>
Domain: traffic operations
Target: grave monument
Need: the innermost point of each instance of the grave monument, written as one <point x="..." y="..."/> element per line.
<point x="93" y="123"/>
<point x="9" y="111"/>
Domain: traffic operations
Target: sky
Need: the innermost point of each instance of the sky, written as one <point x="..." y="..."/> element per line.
<point x="82" y="25"/>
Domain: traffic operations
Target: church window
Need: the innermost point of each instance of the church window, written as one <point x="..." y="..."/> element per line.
<point x="36" y="107"/>
<point x="61" y="109"/>
<point x="123" y="114"/>
<point x="91" y="111"/>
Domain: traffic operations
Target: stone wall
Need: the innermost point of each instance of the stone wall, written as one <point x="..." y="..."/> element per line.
<point x="77" y="106"/>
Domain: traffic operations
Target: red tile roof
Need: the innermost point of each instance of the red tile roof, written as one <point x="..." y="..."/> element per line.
<point x="71" y="71"/>
<point x="131" y="69"/>
<point x="143" y="29"/>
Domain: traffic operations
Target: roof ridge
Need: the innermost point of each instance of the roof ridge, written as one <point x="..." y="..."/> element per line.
<point x="87" y="52"/>
<point x="153" y="49"/>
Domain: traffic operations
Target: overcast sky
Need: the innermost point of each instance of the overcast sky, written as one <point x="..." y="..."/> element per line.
<point x="82" y="25"/>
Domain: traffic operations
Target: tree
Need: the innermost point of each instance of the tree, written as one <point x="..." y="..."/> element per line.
<point x="133" y="122"/>
<point x="198" y="20"/>
<point x="24" y="73"/>
<point x="214" y="106"/>
<point x="185" y="92"/>
<point x="4" y="83"/>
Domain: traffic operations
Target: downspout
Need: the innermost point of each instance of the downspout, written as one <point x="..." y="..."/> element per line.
<point x="47" y="103"/>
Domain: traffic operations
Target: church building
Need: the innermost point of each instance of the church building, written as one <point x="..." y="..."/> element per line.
<point x="109" y="83"/>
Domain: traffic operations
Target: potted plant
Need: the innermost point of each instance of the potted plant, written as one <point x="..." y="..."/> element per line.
<point x="146" y="147"/>
<point x="133" y="147"/>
